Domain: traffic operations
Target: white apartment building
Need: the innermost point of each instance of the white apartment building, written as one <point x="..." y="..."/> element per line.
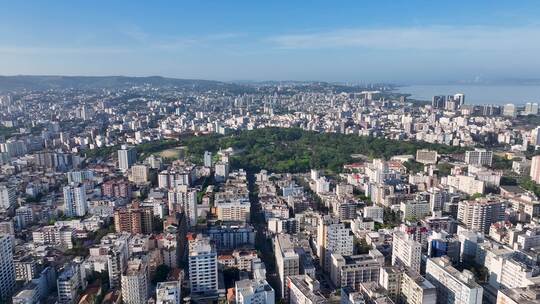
<point x="237" y="210"/>
<point x="75" y="200"/>
<point x="135" y="282"/>
<point x="417" y="290"/>
<point x="406" y="251"/>
<point x="414" y="209"/>
<point x="203" y="266"/>
<point x="332" y="237"/>
<point x="8" y="197"/>
<point x="535" y="169"/>
<point x="453" y="286"/>
<point x="184" y="199"/>
<point x="127" y="156"/>
<point x="254" y="292"/>
<point x="479" y="214"/>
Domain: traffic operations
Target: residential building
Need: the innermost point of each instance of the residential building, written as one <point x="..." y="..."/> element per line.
<point x="127" y="156"/>
<point x="135" y="282"/>
<point x="406" y="251"/>
<point x="453" y="286"/>
<point x="203" y="266"/>
<point x="332" y="237"/>
<point x="479" y="214"/>
<point x="7" y="268"/>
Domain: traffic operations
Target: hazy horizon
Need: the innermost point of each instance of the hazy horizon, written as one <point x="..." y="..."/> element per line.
<point x="412" y="42"/>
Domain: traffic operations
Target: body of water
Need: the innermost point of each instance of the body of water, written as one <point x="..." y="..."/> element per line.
<point x="478" y="94"/>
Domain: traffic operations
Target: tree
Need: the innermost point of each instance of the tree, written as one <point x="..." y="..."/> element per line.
<point x="162" y="272"/>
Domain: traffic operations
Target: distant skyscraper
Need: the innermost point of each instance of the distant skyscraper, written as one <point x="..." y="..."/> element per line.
<point x="531" y="108"/>
<point x="127" y="156"/>
<point x="535" y="169"/>
<point x="510" y="110"/>
<point x="7" y="268"/>
<point x="438" y="102"/>
<point x="459" y="99"/>
<point x="75" y="200"/>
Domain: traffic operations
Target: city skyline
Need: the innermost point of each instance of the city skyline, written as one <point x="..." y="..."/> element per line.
<point x="413" y="42"/>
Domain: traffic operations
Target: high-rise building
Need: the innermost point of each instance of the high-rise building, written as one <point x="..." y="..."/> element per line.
<point x="184" y="199"/>
<point x="332" y="237"/>
<point x="438" y="101"/>
<point x="406" y="251"/>
<point x="208" y="159"/>
<point x="479" y="214"/>
<point x="79" y="176"/>
<point x="453" y="286"/>
<point x="8" y="196"/>
<point x="417" y="290"/>
<point x="75" y="200"/>
<point x="70" y="283"/>
<point x="535" y="137"/>
<point x="135" y="282"/>
<point x="169" y="292"/>
<point x="139" y="174"/>
<point x="203" y="266"/>
<point x="479" y="157"/>
<point x="127" y="156"/>
<point x="535" y="169"/>
<point x="221" y="171"/>
<point x="287" y="261"/>
<point x="459" y="98"/>
<point x="7" y="268"/>
<point x="510" y="110"/>
<point x="531" y="108"/>
<point x="134" y="219"/>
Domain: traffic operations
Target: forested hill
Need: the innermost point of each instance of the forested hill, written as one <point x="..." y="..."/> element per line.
<point x="23" y="82"/>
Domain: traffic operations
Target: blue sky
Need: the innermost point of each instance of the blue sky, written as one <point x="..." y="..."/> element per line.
<point x="400" y="41"/>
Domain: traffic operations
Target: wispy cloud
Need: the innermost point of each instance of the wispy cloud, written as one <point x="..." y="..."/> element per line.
<point x="139" y="41"/>
<point x="37" y="50"/>
<point x="437" y="38"/>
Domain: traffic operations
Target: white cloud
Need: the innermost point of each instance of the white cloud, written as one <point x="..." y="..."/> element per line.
<point x="475" y="38"/>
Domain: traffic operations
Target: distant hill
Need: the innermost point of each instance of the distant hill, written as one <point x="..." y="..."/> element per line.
<point x="24" y="82"/>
